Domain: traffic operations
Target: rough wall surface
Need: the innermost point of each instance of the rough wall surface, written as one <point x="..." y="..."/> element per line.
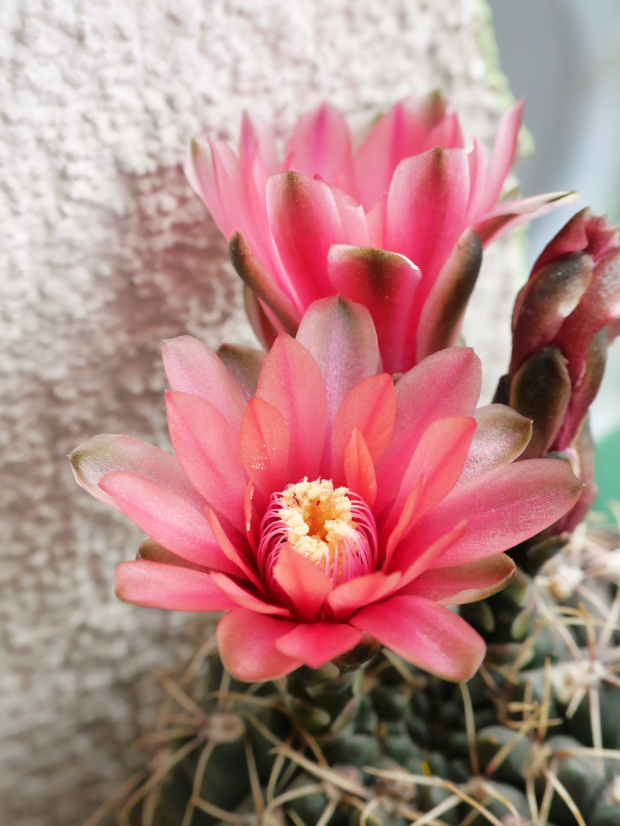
<point x="105" y="252"/>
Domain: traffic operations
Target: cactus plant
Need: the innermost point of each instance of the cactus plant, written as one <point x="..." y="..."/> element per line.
<point x="533" y="738"/>
<point x="330" y="508"/>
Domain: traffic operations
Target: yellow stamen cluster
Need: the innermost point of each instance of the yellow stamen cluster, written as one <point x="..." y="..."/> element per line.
<point x="317" y="518"/>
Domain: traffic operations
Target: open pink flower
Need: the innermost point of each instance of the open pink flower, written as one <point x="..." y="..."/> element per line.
<point x="397" y="225"/>
<point x="321" y="505"/>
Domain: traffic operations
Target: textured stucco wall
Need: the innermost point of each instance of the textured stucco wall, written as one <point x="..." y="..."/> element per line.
<point x="104" y="253"/>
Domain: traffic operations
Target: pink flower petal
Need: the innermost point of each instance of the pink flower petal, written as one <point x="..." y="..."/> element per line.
<point x="207" y="447"/>
<point x="244" y="365"/>
<point x="427" y="558"/>
<point x="510" y="214"/>
<point x="370" y="407"/>
<point x="503" y="153"/>
<point x="444" y="308"/>
<point x="397" y="135"/>
<point x="167" y="518"/>
<point x="359" y="470"/>
<point x="321" y="145"/>
<point x="305" y="222"/>
<point x="292" y="382"/>
<point x="262" y="323"/>
<point x="360" y="592"/>
<point x="386" y="283"/>
<point x="477" y="161"/>
<point x="233" y="553"/>
<point x="502" y="507"/>
<point x="426" y="209"/>
<point x="265" y="447"/>
<point x="247" y="645"/>
<point x="107" y="453"/>
<point x="194" y="368"/>
<point x="446" y="133"/>
<point x="154" y="585"/>
<point x="212" y="170"/>
<point x="152" y="551"/>
<point x="439" y="456"/>
<point x="304" y="583"/>
<point x="353" y="217"/>
<point x="445" y="384"/>
<point x="200" y="173"/>
<point x="405" y="519"/>
<point x="501" y="436"/>
<point x="264" y="285"/>
<point x="241" y="597"/>
<point x="257" y="161"/>
<point x="463" y="583"/>
<point x="318" y="643"/>
<point x="426" y="634"/>
<point x="341" y="337"/>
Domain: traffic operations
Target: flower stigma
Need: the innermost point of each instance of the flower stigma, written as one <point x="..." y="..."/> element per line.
<point x="332" y="527"/>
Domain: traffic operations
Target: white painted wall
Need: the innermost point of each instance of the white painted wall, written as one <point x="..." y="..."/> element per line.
<point x="104" y="252"/>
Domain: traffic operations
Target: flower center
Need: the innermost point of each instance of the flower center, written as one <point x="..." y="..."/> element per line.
<point x="333" y="528"/>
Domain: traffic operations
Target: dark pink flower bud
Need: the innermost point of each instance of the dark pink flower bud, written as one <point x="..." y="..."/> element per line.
<point x="563" y="320"/>
<point x="571" y="303"/>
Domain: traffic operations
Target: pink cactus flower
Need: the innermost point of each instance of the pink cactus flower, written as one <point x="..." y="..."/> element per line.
<point x="397" y="225"/>
<point x="321" y="505"/>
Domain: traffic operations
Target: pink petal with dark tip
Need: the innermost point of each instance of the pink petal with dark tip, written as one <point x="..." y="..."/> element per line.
<point x="108" y="453"/>
<point x="247" y="645"/>
<point x="305" y="222"/>
<point x="386" y="283"/>
<point x="154" y="585"/>
<point x="426" y="634"/>
<point x="426" y="209"/>
<point x="244" y="365"/>
<point x="283" y="304"/>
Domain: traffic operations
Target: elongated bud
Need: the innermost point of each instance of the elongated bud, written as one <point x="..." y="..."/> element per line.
<point x="548" y="298"/>
<point x="563" y="319"/>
